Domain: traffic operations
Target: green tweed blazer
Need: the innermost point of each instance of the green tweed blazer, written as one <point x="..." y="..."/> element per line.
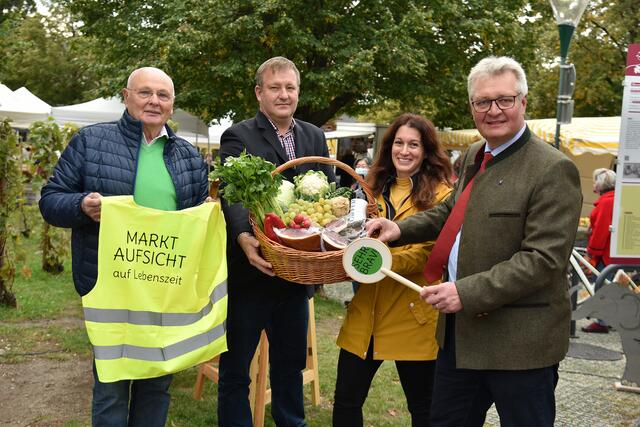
<point x="519" y="228"/>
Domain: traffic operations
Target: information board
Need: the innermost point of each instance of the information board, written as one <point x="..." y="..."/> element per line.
<point x="625" y="229"/>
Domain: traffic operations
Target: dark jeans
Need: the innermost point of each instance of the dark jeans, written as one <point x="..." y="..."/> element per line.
<point x="130" y="402"/>
<point x="462" y="397"/>
<point x="284" y="318"/>
<point x="354" y="380"/>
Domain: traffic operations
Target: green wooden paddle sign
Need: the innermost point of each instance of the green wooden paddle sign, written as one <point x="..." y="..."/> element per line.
<point x="369" y="260"/>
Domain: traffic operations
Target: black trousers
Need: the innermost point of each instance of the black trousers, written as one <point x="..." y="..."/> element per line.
<point x="354" y="380"/>
<point x="462" y="397"/>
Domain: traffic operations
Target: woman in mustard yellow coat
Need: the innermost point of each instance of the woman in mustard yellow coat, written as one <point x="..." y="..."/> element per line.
<point x="386" y="320"/>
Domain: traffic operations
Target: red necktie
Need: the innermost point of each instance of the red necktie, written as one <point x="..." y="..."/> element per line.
<point x="440" y="254"/>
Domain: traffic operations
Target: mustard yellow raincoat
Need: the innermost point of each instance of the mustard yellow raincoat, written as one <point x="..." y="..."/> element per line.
<point x="402" y="325"/>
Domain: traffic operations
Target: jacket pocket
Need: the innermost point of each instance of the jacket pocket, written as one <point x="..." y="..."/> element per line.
<point x="417" y="308"/>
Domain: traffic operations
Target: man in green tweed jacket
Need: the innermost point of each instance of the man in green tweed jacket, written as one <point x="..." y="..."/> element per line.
<point x="505" y="313"/>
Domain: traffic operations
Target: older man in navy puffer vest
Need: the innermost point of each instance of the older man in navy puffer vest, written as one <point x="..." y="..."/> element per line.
<point x="137" y="155"/>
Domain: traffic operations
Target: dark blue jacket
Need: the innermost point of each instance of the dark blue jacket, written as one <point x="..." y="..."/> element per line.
<point x="103" y="158"/>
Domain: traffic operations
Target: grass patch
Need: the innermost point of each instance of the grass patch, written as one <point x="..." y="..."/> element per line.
<point x="385" y="406"/>
<point x="19" y="342"/>
<point x="72" y="340"/>
<point x="47" y="322"/>
<point x="41" y="295"/>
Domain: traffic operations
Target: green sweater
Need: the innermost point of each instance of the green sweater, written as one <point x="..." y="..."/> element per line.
<point x="154" y="187"/>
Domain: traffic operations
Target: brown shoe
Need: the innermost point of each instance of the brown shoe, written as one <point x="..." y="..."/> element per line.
<point x="595" y="328"/>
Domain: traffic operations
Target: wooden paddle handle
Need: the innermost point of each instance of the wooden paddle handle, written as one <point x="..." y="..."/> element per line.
<point x="395" y="276"/>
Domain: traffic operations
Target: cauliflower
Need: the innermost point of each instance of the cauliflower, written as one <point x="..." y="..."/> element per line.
<point x="311" y="186"/>
<point x="286" y="194"/>
<point x="339" y="206"/>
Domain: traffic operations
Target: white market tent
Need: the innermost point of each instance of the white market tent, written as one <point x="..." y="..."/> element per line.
<point x="99" y="110"/>
<point x="351" y="129"/>
<point x="216" y="131"/>
<point x="22" y="107"/>
<point x="6" y="94"/>
<point x="88" y="113"/>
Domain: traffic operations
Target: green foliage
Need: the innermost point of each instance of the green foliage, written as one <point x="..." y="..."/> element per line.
<point x="353" y="56"/>
<point x="13" y="9"/>
<point x="46" y="55"/>
<point x="47" y="140"/>
<point x="10" y="194"/>
<point x="598" y="50"/>
<point x="247" y="179"/>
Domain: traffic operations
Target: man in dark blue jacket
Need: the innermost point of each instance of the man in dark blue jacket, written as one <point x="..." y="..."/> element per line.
<point x="137" y="155"/>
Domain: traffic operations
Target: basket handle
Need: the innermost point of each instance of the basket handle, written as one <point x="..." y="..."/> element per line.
<point x="328" y="161"/>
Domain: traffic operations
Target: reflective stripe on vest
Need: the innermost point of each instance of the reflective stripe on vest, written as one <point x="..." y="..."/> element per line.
<point x="160" y="354"/>
<point x="160" y="301"/>
<point x="106" y="315"/>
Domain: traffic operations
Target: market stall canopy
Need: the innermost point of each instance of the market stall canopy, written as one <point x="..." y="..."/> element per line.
<point x="100" y="110"/>
<point x="595" y="135"/>
<point x="22" y="107"/>
<point x="6" y="94"/>
<point x="215" y="133"/>
<point x="351" y="130"/>
<point x="458" y="139"/>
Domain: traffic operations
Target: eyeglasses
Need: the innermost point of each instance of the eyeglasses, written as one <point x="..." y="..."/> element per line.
<point x="503" y="103"/>
<point x="162" y="95"/>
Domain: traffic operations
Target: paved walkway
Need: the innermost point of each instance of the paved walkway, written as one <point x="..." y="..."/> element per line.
<point x="585" y="395"/>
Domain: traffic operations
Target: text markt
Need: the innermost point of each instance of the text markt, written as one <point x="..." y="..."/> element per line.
<point x="164" y="257"/>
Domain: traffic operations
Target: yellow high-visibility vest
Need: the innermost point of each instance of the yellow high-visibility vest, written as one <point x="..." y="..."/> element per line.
<point x="160" y="301"/>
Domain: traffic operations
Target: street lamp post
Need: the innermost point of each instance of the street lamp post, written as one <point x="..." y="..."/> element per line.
<point x="568" y="14"/>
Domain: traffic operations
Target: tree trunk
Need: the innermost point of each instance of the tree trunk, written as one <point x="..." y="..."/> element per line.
<point x="51" y="262"/>
<point x="7" y="298"/>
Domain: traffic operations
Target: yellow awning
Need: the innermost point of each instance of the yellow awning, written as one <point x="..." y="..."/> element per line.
<point x="458" y="139"/>
<point x="595" y="135"/>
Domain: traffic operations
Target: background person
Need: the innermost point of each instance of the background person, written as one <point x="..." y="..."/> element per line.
<point x="387" y="320"/>
<point x="257" y="299"/>
<point x="138" y="155"/>
<point x="361" y="167"/>
<point x="599" y="243"/>
<point x="357" y="151"/>
<point x="504" y="240"/>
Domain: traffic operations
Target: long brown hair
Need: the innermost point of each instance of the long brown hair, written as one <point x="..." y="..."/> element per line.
<point x="434" y="170"/>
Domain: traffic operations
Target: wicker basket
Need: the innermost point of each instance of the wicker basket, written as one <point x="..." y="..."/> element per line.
<point x="310" y="268"/>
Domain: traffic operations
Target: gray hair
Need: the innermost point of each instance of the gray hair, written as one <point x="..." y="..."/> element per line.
<point x="494" y="66"/>
<point x="277" y="63"/>
<point x="155" y="70"/>
<point x="604" y="180"/>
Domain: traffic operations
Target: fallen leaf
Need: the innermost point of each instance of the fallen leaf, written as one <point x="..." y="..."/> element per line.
<point x="26" y="272"/>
